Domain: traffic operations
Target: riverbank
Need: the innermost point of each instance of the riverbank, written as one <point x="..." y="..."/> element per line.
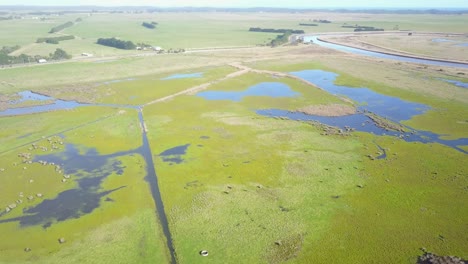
<point x="344" y="41"/>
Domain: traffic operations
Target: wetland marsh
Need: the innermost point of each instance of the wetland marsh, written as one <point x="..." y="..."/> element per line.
<point x="293" y="154"/>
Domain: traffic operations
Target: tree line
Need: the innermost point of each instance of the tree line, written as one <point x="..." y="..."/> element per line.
<point x="358" y="28"/>
<point x="271" y="30"/>
<point x="308" y="24"/>
<point x="324" y="21"/>
<point x="280" y="39"/>
<point x="54" y="40"/>
<point x="116" y="43"/>
<point x="61" y="27"/>
<point x="6" y="59"/>
<point x="368" y="29"/>
<point x="151" y="25"/>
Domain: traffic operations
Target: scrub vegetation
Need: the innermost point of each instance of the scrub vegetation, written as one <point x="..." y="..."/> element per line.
<point x="82" y="185"/>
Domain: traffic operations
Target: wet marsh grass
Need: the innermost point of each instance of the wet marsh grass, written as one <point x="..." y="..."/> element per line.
<point x="20" y="130"/>
<point x="148" y="88"/>
<point x="411" y="199"/>
<point x="406" y="195"/>
<point x="123" y="228"/>
<point x="250" y="188"/>
<point x="120" y="131"/>
<point x="447" y="102"/>
<point x="240" y="168"/>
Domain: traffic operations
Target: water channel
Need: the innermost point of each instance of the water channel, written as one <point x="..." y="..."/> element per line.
<point x="316" y="40"/>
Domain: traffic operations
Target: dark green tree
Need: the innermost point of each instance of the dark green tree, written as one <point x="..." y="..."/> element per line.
<point x="60" y="54"/>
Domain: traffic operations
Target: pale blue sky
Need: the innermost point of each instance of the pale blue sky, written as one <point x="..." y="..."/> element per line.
<point x="251" y="3"/>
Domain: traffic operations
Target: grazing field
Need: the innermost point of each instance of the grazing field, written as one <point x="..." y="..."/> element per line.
<point x="294" y="154"/>
<point x="197" y="30"/>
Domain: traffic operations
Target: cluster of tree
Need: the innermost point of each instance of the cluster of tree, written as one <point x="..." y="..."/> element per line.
<point x="175" y="50"/>
<point x="61" y="27"/>
<point x="41" y="13"/>
<point x="11" y="17"/>
<point x="322" y="21"/>
<point x="280" y="39"/>
<point x="308" y="24"/>
<point x="345" y="25"/>
<point x="116" y="43"/>
<point x="361" y="28"/>
<point x="5" y="59"/>
<point x="78" y="20"/>
<point x="149" y="25"/>
<point x="9" y="60"/>
<point x="271" y="30"/>
<point x="7" y="50"/>
<point x="59" y="54"/>
<point x="144" y="45"/>
<point x="368" y="29"/>
<point x="54" y="40"/>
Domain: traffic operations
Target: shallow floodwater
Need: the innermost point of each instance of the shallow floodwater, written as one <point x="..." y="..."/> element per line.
<point x="438" y="40"/>
<point x="183" y="76"/>
<point x="361" y="122"/>
<point x="456" y="83"/>
<point x="392" y="108"/>
<point x="271" y="89"/>
<point x="89" y="170"/>
<point x="174" y="155"/>
<point x="30" y="96"/>
<point x="54" y="105"/>
<point x="382" y="55"/>
<point x="386" y="106"/>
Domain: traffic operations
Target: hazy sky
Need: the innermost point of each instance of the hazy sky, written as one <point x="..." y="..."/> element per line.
<point x="251" y="3"/>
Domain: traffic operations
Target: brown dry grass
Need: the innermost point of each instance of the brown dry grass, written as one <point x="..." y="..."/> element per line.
<point x="328" y="110"/>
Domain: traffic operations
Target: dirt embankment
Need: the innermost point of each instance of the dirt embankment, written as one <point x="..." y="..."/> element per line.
<point x="328" y="110"/>
<point x="386" y="124"/>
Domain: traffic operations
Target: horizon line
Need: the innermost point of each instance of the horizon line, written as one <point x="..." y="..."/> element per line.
<point x="242" y="7"/>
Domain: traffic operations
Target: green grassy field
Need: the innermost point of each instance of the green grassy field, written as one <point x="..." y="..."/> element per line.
<point x="197" y="30"/>
<point x="247" y="188"/>
<point x="240" y="167"/>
